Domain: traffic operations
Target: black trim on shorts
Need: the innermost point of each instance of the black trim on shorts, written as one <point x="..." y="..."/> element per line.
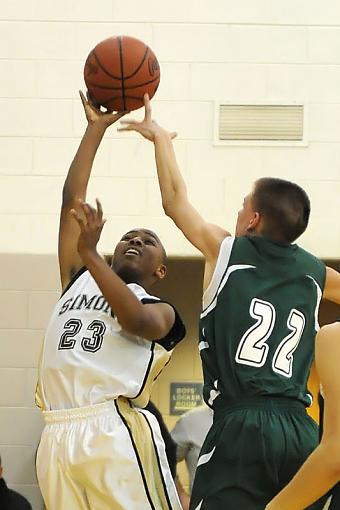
<point x="137" y="457"/>
<point x="75" y="277"/>
<point x="157" y="457"/>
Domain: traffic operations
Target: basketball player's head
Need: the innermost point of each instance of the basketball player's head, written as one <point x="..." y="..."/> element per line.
<point x="140" y="257"/>
<point x="1" y="469"/>
<point x="276" y="209"/>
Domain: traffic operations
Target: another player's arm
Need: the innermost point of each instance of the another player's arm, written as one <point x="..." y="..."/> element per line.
<point x="182" y="494"/>
<point x="150" y="321"/>
<point x="332" y="285"/>
<point x="75" y="187"/>
<point x="321" y="471"/>
<point x="205" y="236"/>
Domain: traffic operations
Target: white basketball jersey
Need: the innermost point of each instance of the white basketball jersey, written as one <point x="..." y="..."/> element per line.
<point x="88" y="358"/>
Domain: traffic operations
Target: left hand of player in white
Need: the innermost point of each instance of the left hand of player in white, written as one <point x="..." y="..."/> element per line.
<point x="91" y="223"/>
<point x="147" y="127"/>
<point x="95" y="116"/>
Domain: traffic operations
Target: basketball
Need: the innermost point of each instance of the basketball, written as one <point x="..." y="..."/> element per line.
<point x="119" y="71"/>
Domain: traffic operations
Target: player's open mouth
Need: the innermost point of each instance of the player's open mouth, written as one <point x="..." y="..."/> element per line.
<point x="132" y="251"/>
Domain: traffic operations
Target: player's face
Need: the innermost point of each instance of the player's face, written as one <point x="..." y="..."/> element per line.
<point x="246" y="218"/>
<point x="138" y="257"/>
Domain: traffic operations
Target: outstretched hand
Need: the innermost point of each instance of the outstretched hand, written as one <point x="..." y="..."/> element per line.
<point x="91" y="222"/>
<point x="147" y="127"/>
<point x="94" y="115"/>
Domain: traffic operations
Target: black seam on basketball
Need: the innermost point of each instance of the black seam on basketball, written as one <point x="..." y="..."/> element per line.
<point x="139" y="66"/>
<point x="103" y="68"/>
<point x="165" y="488"/>
<point x="122" y="70"/>
<point x="145" y="483"/>
<point x="107" y="101"/>
<point x="106" y="87"/>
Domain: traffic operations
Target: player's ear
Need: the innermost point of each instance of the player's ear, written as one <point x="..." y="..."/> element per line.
<point x="254" y="222"/>
<point x="161" y="271"/>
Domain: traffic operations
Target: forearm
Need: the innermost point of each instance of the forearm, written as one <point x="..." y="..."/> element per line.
<point x="314" y="479"/>
<point x="171" y="182"/>
<point x="123" y="303"/>
<point x="79" y="173"/>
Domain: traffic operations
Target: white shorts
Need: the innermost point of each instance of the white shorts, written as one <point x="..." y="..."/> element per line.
<point x="109" y="456"/>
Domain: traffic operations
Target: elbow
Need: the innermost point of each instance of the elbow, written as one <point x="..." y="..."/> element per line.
<point x="68" y="199"/>
<point x="167" y="207"/>
<point x="332" y="456"/>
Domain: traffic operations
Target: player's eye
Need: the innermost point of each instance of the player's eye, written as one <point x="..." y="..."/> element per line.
<point x="150" y="241"/>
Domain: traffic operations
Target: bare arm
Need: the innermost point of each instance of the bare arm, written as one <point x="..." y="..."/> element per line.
<point x="151" y="321"/>
<point x="182" y="494"/>
<point x="332" y="285"/>
<point x="75" y="187"/>
<point x="321" y="471"/>
<point x="205" y="236"/>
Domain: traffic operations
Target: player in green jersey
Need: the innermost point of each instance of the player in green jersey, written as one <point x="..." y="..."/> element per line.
<point x="257" y="329"/>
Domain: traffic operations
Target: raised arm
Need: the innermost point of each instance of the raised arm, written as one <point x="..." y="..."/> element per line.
<point x="203" y="235"/>
<point x="321" y="471"/>
<point x="332" y="285"/>
<point x="150" y="321"/>
<point x="75" y="187"/>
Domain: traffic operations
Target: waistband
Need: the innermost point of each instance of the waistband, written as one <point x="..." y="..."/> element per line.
<point x="78" y="413"/>
<point x="262" y="402"/>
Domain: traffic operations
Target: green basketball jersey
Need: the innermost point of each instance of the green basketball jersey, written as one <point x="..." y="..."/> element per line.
<point x="259" y="319"/>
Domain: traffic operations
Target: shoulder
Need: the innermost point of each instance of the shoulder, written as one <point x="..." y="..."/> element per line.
<point x="327" y="348"/>
<point x="75" y="278"/>
<point x="329" y="334"/>
<point x="194" y="414"/>
<point x="20" y="501"/>
<point x="177" y="331"/>
<point x="309" y="258"/>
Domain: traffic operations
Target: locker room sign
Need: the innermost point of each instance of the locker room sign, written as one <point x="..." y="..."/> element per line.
<point x="185" y="396"/>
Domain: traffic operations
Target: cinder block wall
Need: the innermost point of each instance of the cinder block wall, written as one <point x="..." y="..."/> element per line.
<point x="245" y="51"/>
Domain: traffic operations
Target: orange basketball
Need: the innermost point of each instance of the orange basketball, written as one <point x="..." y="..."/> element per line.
<point x="119" y="71"/>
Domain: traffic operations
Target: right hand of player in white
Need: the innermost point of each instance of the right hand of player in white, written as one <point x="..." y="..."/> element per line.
<point x="91" y="222"/>
<point x="147" y="127"/>
<point x="95" y="116"/>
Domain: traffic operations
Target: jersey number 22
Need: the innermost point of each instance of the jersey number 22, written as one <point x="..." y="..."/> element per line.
<point x="253" y="348"/>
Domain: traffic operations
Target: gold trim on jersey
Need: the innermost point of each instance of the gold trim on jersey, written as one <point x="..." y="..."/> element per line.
<point x="159" y="358"/>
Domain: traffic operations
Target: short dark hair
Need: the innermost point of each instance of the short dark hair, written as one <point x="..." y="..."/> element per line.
<point x="285" y="208"/>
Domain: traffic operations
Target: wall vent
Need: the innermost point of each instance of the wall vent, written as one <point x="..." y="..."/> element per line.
<point x="260" y="122"/>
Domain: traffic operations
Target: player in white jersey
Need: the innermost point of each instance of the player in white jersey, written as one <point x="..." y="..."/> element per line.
<point x="106" y="342"/>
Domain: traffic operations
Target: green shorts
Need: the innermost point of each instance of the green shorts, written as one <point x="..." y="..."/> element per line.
<point x="251" y="452"/>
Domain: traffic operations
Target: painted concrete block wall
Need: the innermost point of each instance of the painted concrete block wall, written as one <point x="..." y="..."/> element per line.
<point x="282" y="51"/>
<point x="244" y="51"/>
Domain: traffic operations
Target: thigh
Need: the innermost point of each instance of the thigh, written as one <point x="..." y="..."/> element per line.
<point x="235" y="469"/>
<point x="128" y="467"/>
<point x="241" y="460"/>
<point x="59" y="490"/>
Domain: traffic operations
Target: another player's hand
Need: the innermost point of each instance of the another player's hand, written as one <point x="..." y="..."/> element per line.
<point x="95" y="116"/>
<point x="147" y="127"/>
<point x="91" y="222"/>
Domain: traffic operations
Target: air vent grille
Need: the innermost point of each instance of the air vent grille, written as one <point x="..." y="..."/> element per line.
<point x="261" y="122"/>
